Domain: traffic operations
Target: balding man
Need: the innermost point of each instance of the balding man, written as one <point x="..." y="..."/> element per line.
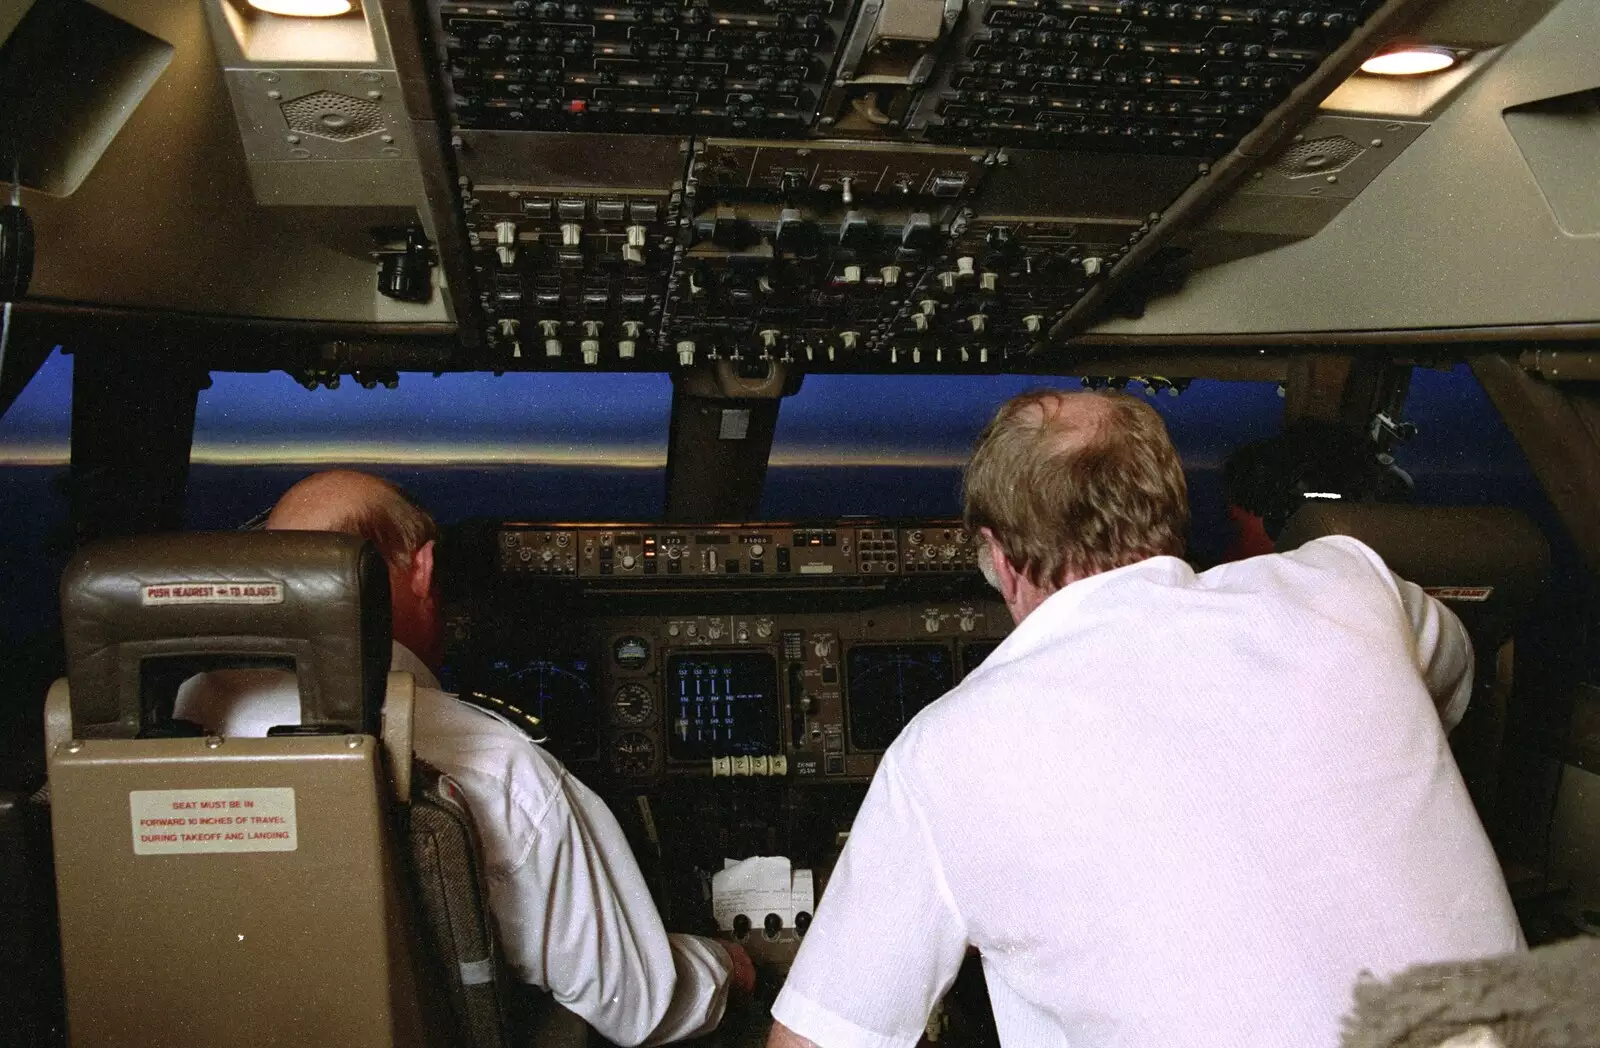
<point x="1171" y="809"/>
<point x="570" y="905"/>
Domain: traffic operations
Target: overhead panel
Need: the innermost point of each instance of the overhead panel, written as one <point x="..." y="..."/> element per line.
<point x="844" y="184"/>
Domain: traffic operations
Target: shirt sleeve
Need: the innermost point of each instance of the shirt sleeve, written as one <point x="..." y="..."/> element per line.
<point x="576" y="917"/>
<point x="1444" y="651"/>
<point x="887" y="939"/>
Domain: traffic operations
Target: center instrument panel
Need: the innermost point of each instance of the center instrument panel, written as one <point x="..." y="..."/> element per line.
<point x="836" y="184"/>
<point x="787" y="652"/>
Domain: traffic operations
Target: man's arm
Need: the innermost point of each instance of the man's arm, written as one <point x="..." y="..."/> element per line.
<point x="576" y="917"/>
<point x="887" y="938"/>
<point x="1444" y="651"/>
<point x="783" y="1037"/>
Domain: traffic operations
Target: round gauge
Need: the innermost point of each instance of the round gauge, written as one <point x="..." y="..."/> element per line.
<point x="633" y="704"/>
<point x="633" y="755"/>
<point x="631" y="652"/>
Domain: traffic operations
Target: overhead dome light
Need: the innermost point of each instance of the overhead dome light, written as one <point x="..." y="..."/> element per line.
<point x="1410" y="61"/>
<point x="303" y="8"/>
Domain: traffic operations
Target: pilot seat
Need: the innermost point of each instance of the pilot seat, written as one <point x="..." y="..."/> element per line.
<point x="311" y="887"/>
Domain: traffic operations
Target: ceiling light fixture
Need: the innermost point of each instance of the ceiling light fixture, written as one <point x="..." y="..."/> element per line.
<point x="304" y="8"/>
<point x="1410" y="61"/>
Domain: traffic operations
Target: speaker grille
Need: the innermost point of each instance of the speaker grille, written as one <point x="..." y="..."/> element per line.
<point x="1319" y="156"/>
<point x="328" y="114"/>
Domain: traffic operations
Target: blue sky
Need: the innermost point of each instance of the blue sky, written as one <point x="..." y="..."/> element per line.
<point x="621" y="420"/>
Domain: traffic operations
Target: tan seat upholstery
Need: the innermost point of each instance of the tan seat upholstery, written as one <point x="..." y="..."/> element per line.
<point x="1488" y="565"/>
<point x="234" y="891"/>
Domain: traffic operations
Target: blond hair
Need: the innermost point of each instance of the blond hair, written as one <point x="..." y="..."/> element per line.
<point x="1073" y="484"/>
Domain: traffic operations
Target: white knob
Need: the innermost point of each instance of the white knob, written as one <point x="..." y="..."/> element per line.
<point x="1091" y="267"/>
<point x="756" y="549"/>
<point x="964" y="266"/>
<point x="1031" y="322"/>
<point x="509" y="326"/>
<point x="919" y="321"/>
<point x="852" y="274"/>
<point x="625" y="349"/>
<point x="552" y="347"/>
<point x="931" y="624"/>
<point x="977" y="320"/>
<point x="632" y="328"/>
<point x="590" y="348"/>
<point x="947" y="281"/>
<point x="592" y="328"/>
<point x="987" y="281"/>
<point x="890" y="275"/>
<point x="571" y="234"/>
<point x="848" y="339"/>
<point x="550" y="328"/>
<point x="508" y="255"/>
<point x="686" y="353"/>
<point x="628" y="561"/>
<point x="632" y="255"/>
<point x="505" y="233"/>
<point x="928" y="306"/>
<point x="769" y="338"/>
<point x="636" y="236"/>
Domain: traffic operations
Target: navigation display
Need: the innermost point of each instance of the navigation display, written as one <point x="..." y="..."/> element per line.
<point x="558" y="690"/>
<point x="721" y="704"/>
<point x="889" y="684"/>
<point x="973" y="654"/>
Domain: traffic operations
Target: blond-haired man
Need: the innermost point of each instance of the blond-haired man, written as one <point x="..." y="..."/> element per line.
<point x="1172" y="809"/>
<point x="571" y="908"/>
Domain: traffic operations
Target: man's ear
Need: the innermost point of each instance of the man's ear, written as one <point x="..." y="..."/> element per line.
<point x="420" y="576"/>
<point x="1005" y="575"/>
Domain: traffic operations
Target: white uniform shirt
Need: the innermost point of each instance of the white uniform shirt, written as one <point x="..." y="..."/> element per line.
<point x="568" y="901"/>
<point x="1170" y="810"/>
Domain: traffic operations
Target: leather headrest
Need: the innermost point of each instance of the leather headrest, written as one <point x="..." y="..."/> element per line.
<point x="1487" y="563"/>
<point x="317" y="599"/>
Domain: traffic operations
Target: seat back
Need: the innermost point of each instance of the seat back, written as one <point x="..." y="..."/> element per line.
<point x="1488" y="565"/>
<point x="233" y="890"/>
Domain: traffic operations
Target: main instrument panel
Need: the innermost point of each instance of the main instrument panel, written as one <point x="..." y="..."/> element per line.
<point x="836" y="184"/>
<point x="792" y="652"/>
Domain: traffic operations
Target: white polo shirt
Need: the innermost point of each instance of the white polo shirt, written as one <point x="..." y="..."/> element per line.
<point x="569" y="903"/>
<point x="1171" y="811"/>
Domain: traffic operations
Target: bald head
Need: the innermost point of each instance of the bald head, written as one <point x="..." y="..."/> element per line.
<point x="1073" y="484"/>
<point x="370" y="507"/>
<point x="357" y="504"/>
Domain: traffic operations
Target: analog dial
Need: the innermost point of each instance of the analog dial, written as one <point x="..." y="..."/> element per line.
<point x="633" y="704"/>
<point x="633" y="755"/>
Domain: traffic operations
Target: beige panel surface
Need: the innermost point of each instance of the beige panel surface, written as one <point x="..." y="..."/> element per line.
<point x="1455" y="233"/>
<point x="167" y="220"/>
<point x="198" y="947"/>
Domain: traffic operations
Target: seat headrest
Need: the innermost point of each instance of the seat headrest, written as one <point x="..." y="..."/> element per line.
<point x="317" y="600"/>
<point x="1487" y="563"/>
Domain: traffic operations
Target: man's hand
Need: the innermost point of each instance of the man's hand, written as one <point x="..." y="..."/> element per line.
<point x="743" y="974"/>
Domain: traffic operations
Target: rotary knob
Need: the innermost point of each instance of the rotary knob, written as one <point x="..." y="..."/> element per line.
<point x="628" y="561"/>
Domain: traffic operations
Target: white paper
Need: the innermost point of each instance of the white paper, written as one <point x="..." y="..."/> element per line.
<point x="754" y="887"/>
<point x="199" y="822"/>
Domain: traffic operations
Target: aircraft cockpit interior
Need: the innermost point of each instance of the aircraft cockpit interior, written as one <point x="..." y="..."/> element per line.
<point x="674" y="324"/>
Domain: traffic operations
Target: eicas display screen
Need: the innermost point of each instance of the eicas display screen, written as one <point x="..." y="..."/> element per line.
<point x="557" y="690"/>
<point x="721" y="704"/>
<point x="889" y="684"/>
